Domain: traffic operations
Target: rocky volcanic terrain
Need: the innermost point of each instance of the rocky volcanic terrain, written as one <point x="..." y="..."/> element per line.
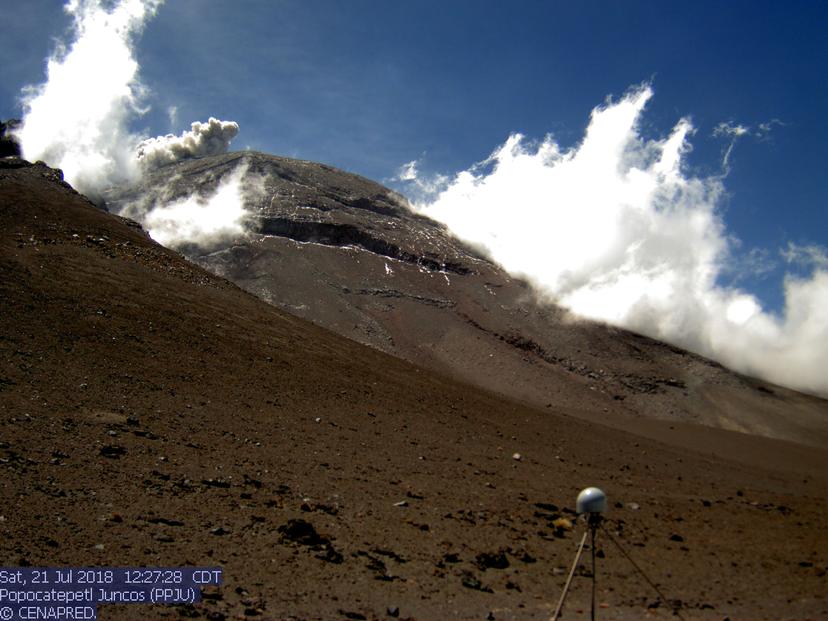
<point x="152" y="413"/>
<point x="349" y="255"/>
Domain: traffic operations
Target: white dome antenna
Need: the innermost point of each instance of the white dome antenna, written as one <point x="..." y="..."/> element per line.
<point x="591" y="503"/>
<point x="591" y="500"/>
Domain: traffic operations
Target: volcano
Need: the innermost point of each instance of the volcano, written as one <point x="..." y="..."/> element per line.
<point x="350" y="255"/>
<point x="153" y="413"/>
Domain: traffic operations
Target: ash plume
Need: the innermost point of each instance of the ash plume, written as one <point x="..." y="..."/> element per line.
<point x="616" y="230"/>
<point x="203" y="139"/>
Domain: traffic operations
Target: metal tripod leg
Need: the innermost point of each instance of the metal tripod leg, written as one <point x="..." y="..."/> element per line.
<point x="569" y="579"/>
<point x="592" y="529"/>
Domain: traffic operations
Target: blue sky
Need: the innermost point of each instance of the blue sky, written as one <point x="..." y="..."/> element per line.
<point x="367" y="85"/>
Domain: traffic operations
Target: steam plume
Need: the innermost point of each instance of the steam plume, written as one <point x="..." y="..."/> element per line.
<point x="77" y="120"/>
<point x="204" y="221"/>
<point x="616" y="230"/>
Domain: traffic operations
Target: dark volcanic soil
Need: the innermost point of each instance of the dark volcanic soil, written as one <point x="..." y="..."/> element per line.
<point x="153" y="414"/>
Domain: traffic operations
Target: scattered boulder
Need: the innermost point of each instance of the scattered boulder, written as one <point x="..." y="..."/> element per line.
<point x="301" y="532"/>
<point x="562" y="523"/>
<point x="470" y="581"/>
<point x="390" y="554"/>
<point x="547" y="506"/>
<point x="492" y="560"/>
<point x="251" y="481"/>
<point x="330" y="555"/>
<point x="113" y="451"/>
<point x="164" y="521"/>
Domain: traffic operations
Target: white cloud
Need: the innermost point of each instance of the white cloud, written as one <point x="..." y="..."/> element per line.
<point x="172" y="115"/>
<point x="729" y="129"/>
<point x="407" y="172"/>
<point x="616" y="230"/>
<point x="764" y="129"/>
<point x="737" y="130"/>
<point x="419" y="187"/>
<point x="733" y="132"/>
<point x="756" y="263"/>
<point x="806" y="255"/>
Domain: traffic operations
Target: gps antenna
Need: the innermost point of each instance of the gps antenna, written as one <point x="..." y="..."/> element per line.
<point x="591" y="503"/>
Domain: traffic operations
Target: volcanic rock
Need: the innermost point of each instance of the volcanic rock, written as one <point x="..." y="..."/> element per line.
<point x="9" y="146"/>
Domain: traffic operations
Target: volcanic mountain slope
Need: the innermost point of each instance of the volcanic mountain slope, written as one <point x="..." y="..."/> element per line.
<point x="154" y="414"/>
<point x="347" y="254"/>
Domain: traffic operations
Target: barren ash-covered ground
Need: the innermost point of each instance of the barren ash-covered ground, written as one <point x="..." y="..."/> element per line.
<point x="152" y="413"/>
